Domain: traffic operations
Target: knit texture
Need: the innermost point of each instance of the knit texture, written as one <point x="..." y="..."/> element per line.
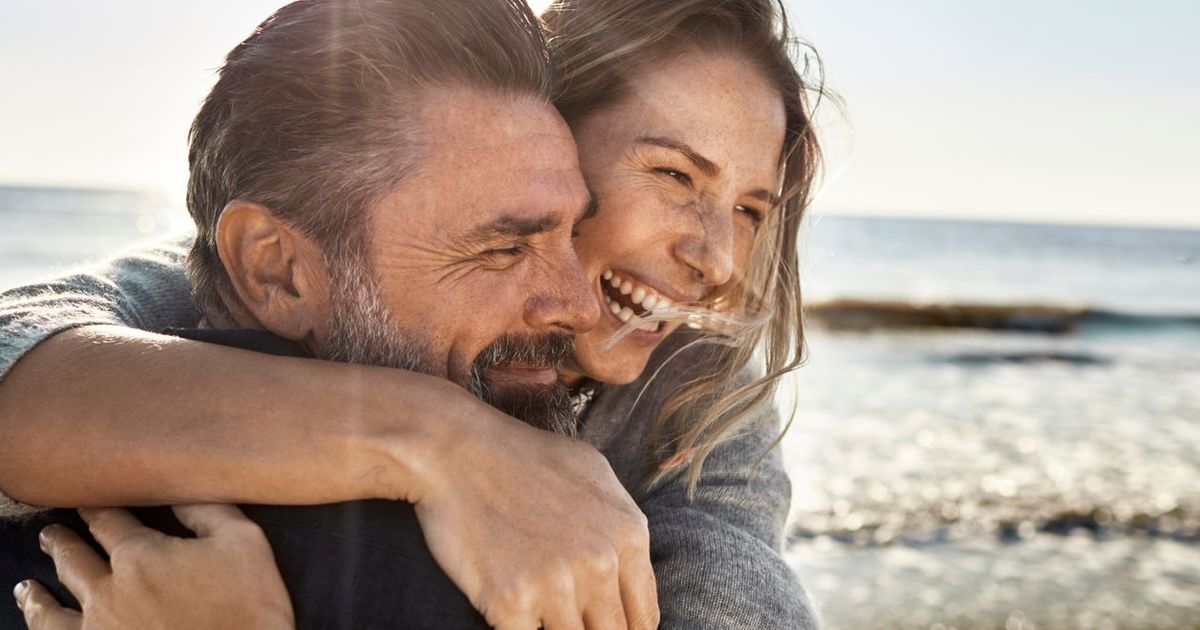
<point x="717" y="558"/>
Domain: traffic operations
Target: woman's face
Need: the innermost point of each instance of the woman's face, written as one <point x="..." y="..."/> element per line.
<point x="684" y="168"/>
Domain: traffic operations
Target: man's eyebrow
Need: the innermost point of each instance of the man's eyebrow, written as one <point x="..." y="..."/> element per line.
<point x="512" y="226"/>
<point x="704" y="164"/>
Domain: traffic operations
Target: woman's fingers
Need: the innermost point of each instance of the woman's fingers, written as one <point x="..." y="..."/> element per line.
<point x="42" y="611"/>
<point x="639" y="592"/>
<point x="207" y="520"/>
<point x="113" y="526"/>
<point x="562" y="613"/>
<point x="79" y="568"/>
<point x="606" y="613"/>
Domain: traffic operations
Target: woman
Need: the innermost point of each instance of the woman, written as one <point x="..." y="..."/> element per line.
<point x="694" y="133"/>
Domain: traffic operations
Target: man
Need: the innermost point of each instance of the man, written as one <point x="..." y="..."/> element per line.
<point x="385" y="182"/>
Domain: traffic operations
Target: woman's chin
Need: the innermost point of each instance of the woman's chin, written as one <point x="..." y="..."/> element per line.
<point x="617" y="366"/>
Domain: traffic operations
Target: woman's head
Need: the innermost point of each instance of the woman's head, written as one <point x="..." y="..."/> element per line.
<point x="694" y="133"/>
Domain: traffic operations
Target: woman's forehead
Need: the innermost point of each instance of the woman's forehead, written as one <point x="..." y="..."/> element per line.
<point x="720" y="106"/>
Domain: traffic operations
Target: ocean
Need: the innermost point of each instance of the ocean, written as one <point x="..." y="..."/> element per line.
<point x="998" y="425"/>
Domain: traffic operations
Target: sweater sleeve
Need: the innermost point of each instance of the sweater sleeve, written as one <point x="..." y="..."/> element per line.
<point x="717" y="558"/>
<point x="144" y="289"/>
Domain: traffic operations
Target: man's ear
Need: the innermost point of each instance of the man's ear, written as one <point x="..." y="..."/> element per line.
<point x="278" y="272"/>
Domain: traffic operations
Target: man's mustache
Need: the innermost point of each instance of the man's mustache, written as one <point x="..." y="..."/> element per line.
<point x="550" y="351"/>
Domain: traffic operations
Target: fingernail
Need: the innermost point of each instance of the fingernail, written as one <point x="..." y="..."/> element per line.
<point x="19" y="593"/>
<point x="44" y="537"/>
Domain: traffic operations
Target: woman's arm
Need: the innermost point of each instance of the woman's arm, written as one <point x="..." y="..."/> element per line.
<point x="99" y="416"/>
<point x="155" y="419"/>
<point x="112" y="416"/>
<point x="144" y="289"/>
<point x="142" y="419"/>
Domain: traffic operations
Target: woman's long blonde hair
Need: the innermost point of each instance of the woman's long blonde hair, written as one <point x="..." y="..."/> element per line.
<point x="597" y="46"/>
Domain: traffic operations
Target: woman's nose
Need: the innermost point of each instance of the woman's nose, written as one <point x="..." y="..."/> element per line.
<point x="708" y="248"/>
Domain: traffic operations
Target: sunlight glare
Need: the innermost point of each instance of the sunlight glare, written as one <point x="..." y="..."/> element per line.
<point x="539" y="5"/>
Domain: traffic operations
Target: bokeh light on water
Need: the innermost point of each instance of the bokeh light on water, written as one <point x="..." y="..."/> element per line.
<point x="990" y="479"/>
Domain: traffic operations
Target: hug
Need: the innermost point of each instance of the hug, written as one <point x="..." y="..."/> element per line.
<point x="481" y="325"/>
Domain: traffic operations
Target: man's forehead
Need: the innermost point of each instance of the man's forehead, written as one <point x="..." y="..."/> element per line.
<point x="488" y="155"/>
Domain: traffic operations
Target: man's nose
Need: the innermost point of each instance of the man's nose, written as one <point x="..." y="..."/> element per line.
<point x="707" y="246"/>
<point x="564" y="300"/>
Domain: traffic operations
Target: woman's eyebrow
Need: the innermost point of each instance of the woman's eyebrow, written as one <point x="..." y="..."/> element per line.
<point x="764" y="196"/>
<point x="707" y="166"/>
<point x="589" y="209"/>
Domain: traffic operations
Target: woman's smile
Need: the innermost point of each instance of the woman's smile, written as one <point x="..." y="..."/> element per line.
<point x="624" y="296"/>
<point x="672" y="166"/>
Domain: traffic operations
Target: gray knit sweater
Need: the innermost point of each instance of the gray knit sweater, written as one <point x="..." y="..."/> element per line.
<point x="716" y="558"/>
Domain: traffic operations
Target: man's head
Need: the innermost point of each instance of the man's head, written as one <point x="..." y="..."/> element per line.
<point x="386" y="182"/>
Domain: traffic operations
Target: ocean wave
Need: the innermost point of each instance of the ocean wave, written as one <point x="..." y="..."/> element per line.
<point x="1011" y="521"/>
<point x="1055" y="319"/>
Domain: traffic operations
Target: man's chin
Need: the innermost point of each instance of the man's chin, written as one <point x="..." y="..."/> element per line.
<point x="546" y="406"/>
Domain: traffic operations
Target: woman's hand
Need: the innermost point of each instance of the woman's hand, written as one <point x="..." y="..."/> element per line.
<point x="224" y="578"/>
<point x="535" y="529"/>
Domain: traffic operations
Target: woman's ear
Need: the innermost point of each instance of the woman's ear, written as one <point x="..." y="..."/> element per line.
<point x="278" y="272"/>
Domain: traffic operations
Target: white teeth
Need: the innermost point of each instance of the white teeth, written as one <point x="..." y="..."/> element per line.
<point x="649" y="327"/>
<point x="625" y="314"/>
<point x="614" y="307"/>
<point x="693" y="325"/>
<point x="638" y="294"/>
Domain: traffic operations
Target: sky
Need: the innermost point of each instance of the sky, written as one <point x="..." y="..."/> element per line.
<point x="1057" y="111"/>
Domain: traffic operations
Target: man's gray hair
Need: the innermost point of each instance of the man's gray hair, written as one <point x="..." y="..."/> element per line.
<point x="313" y="114"/>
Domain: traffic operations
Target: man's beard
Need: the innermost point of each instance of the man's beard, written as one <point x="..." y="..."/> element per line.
<point x="544" y="406"/>
<point x="362" y="332"/>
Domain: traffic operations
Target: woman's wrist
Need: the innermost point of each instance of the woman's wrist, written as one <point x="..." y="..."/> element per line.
<point x="417" y="424"/>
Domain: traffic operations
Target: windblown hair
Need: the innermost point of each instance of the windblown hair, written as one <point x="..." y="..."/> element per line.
<point x="599" y="47"/>
<point x="313" y="115"/>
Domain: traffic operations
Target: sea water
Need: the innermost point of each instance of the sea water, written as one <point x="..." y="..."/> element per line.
<point x="997" y="477"/>
<point x="970" y="477"/>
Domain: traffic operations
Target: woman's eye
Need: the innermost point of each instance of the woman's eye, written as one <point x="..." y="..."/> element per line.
<point x="678" y="176"/>
<point x="755" y="214"/>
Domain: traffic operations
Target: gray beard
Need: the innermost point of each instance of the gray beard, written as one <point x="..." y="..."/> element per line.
<point x="362" y="332"/>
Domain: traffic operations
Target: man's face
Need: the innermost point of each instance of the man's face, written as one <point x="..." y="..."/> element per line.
<point x="472" y="269"/>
